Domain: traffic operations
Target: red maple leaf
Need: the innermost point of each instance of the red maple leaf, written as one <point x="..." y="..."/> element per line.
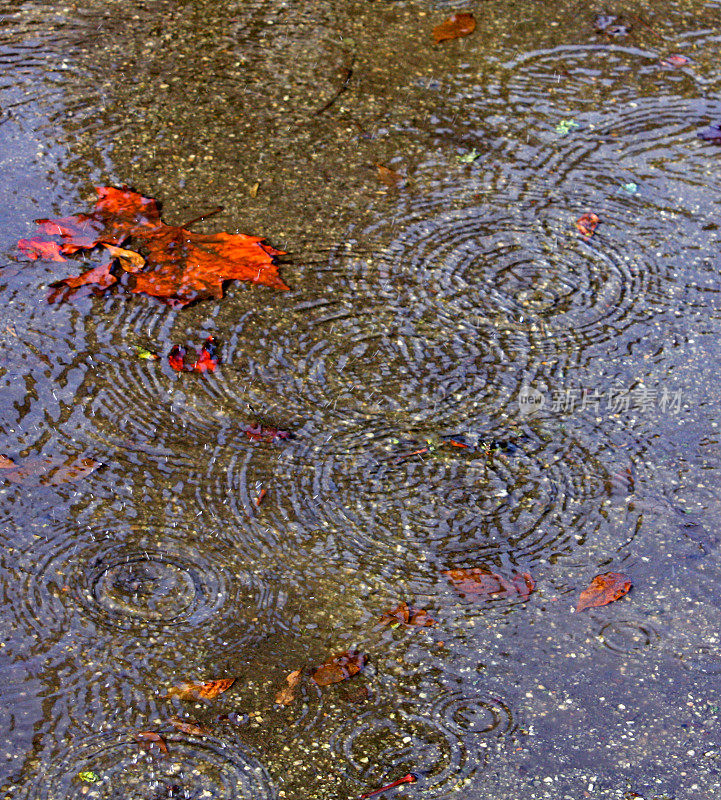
<point x="180" y="266"/>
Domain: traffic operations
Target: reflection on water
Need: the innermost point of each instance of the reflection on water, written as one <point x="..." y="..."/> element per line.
<point x="417" y="315"/>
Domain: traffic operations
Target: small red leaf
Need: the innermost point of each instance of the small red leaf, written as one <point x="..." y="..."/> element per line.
<point x="339" y="668"/>
<point x="604" y="589"/>
<point x="176" y="358"/>
<point x="49" y="470"/>
<point x="207" y="359"/>
<point x="259" y="433"/>
<point x="458" y="25"/>
<point x="675" y="61"/>
<point x="587" y="224"/>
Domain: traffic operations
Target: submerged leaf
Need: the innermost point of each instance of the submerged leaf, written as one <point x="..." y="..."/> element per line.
<point x="287" y="694"/>
<point x="565" y="126"/>
<point x="404" y="614"/>
<point x="388" y="176"/>
<point x="200" y="691"/>
<point x="461" y="24"/>
<point x="147" y="739"/>
<point x="482" y="583"/>
<point x="49" y="470"/>
<point x="339" y="668"/>
<point x="587" y="224"/>
<point x="260" y="433"/>
<point x="604" y="589"/>
<point x="88" y="776"/>
<point x="190" y="726"/>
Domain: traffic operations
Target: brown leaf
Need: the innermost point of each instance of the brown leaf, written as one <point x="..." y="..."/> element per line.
<point x="287" y="694"/>
<point x="190" y="726"/>
<point x="388" y="176"/>
<point x="587" y="224"/>
<point x="49" y="470"/>
<point x="6" y="463"/>
<point x="339" y="668"/>
<point x="407" y="616"/>
<point x="200" y="691"/>
<point x="480" y="582"/>
<point x="458" y="25"/>
<point x="604" y="589"/>
<point x="146" y="739"/>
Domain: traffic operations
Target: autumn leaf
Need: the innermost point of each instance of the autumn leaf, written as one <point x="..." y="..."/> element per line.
<point x="206" y="361"/>
<point x="6" y="463"/>
<point x="407" y="616"/>
<point x="287" y="694"/>
<point x="190" y="726"/>
<point x="261" y="433"/>
<point x="586" y="224"/>
<point x="48" y="470"/>
<point x="200" y="691"/>
<point x="461" y="24"/>
<point x="482" y="583"/>
<point x="146" y="739"/>
<point x="604" y="589"/>
<point x="339" y="668"/>
<point x="180" y="266"/>
<point x="388" y="176"/>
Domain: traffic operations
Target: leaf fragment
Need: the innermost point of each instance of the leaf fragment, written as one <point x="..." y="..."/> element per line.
<point x="339" y="668"/>
<point x="470" y="157"/>
<point x="586" y="224"/>
<point x="404" y="614"/>
<point x="129" y="260"/>
<point x="190" y="726"/>
<point x="206" y="361"/>
<point x="200" y="691"/>
<point x="388" y="176"/>
<point x="88" y="776"/>
<point x="99" y="277"/>
<point x="482" y="583"/>
<point x="146" y="739"/>
<point x="675" y="60"/>
<point x="604" y="589"/>
<point x="49" y="470"/>
<point x="148" y="355"/>
<point x="461" y="24"/>
<point x="261" y="433"/>
<point x="287" y="694"/>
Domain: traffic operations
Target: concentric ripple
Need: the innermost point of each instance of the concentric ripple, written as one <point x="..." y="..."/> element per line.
<point x="161" y="584"/>
<point x="468" y="713"/>
<point x="362" y="488"/>
<point x="627" y="637"/>
<point x="196" y="768"/>
<point x="374" y="746"/>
